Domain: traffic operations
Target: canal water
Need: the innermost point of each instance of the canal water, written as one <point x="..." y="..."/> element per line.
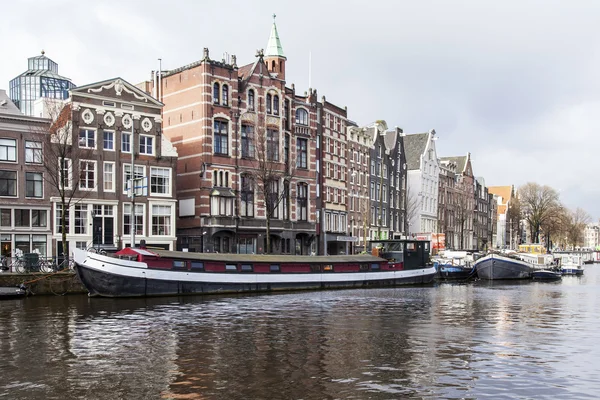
<point x="464" y="341"/>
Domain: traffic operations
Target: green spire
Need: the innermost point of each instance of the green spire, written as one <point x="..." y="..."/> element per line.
<point x="274" y="48"/>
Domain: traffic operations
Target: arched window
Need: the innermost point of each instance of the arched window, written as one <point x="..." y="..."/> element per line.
<point x="251" y="99"/>
<point x="276" y="105"/>
<point x="301" y="116"/>
<point x="273" y="66"/>
<point x="216" y="90"/>
<point x="215" y="175"/>
<point x="268" y="103"/>
<point x="225" y="99"/>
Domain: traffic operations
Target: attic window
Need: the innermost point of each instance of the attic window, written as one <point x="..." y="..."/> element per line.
<point x="109" y="103"/>
<point x="127" y="106"/>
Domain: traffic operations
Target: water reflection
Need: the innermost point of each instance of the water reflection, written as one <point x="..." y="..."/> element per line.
<point x="477" y="340"/>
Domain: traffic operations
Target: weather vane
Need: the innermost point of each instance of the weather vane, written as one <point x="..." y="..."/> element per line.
<point x="274" y="16"/>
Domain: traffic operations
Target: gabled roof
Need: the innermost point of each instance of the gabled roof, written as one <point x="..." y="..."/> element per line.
<point x="6" y="104"/>
<point x="414" y="146"/>
<point x="460" y="161"/>
<point x="119" y="85"/>
<point x="390" y="139"/>
<point x="246" y="72"/>
<point x="274" y="48"/>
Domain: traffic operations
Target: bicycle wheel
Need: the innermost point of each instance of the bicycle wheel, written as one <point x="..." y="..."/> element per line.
<point x="19" y="267"/>
<point x="46" y="267"/>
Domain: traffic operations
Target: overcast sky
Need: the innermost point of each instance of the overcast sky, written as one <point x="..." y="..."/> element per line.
<point x="515" y="83"/>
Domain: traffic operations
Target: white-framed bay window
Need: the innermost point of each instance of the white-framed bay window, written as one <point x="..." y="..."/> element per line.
<point x="160" y="181"/>
<point x="162" y="219"/>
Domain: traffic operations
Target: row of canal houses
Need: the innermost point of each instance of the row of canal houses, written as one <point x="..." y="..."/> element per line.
<point x="198" y="141"/>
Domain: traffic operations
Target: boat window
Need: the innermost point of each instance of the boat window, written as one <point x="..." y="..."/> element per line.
<point x="179" y="264"/>
<point x="230" y="267"/>
<point x="410" y="246"/>
<point x="197" y="266"/>
<point x="246" y="267"/>
<point x="364" y="267"/>
<point x="374" y="267"/>
<point x="274" y="268"/>
<point x="315" y="268"/>
<point x="328" y="267"/>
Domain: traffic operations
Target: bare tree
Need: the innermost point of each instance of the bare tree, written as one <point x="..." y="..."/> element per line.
<point x="514" y="215"/>
<point x="68" y="161"/>
<point x="272" y="175"/>
<point x="576" y="221"/>
<point x="365" y="214"/>
<point x="538" y="203"/>
<point x="412" y="208"/>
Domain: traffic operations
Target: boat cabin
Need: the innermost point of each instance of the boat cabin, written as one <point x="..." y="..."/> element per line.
<point x="251" y="263"/>
<point x="411" y="254"/>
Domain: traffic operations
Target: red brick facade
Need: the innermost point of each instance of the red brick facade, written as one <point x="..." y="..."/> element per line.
<point x="220" y="117"/>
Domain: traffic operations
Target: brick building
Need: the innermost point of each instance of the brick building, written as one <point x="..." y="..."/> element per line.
<point x="105" y="122"/>
<point x="237" y="128"/>
<point x="24" y="205"/>
<point x="333" y="159"/>
<point x="359" y="204"/>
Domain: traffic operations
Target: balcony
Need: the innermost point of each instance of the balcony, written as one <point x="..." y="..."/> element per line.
<point x="220" y="220"/>
<point x="302" y="130"/>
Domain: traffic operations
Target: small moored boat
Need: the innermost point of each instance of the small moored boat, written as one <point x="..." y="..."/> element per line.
<point x="455" y="265"/>
<point x="497" y="267"/>
<point x="12" y="292"/>
<point x="144" y="272"/>
<point x="571" y="265"/>
<point x="546" y="275"/>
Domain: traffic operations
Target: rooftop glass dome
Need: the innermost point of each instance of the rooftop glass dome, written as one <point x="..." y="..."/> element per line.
<point x="40" y="80"/>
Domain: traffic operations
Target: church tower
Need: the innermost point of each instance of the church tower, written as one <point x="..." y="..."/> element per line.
<point x="274" y="57"/>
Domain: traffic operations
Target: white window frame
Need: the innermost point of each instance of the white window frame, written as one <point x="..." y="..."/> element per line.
<point x="128" y="134"/>
<point x="87" y="188"/>
<point x="171" y="218"/>
<point x="86" y="138"/>
<point x="146" y="137"/>
<point x="135" y="176"/>
<point x="69" y="173"/>
<point x="7" y="146"/>
<point x="169" y="184"/>
<point x="143" y="214"/>
<point x="114" y="134"/>
<point x="35" y="152"/>
<point x="112" y="176"/>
